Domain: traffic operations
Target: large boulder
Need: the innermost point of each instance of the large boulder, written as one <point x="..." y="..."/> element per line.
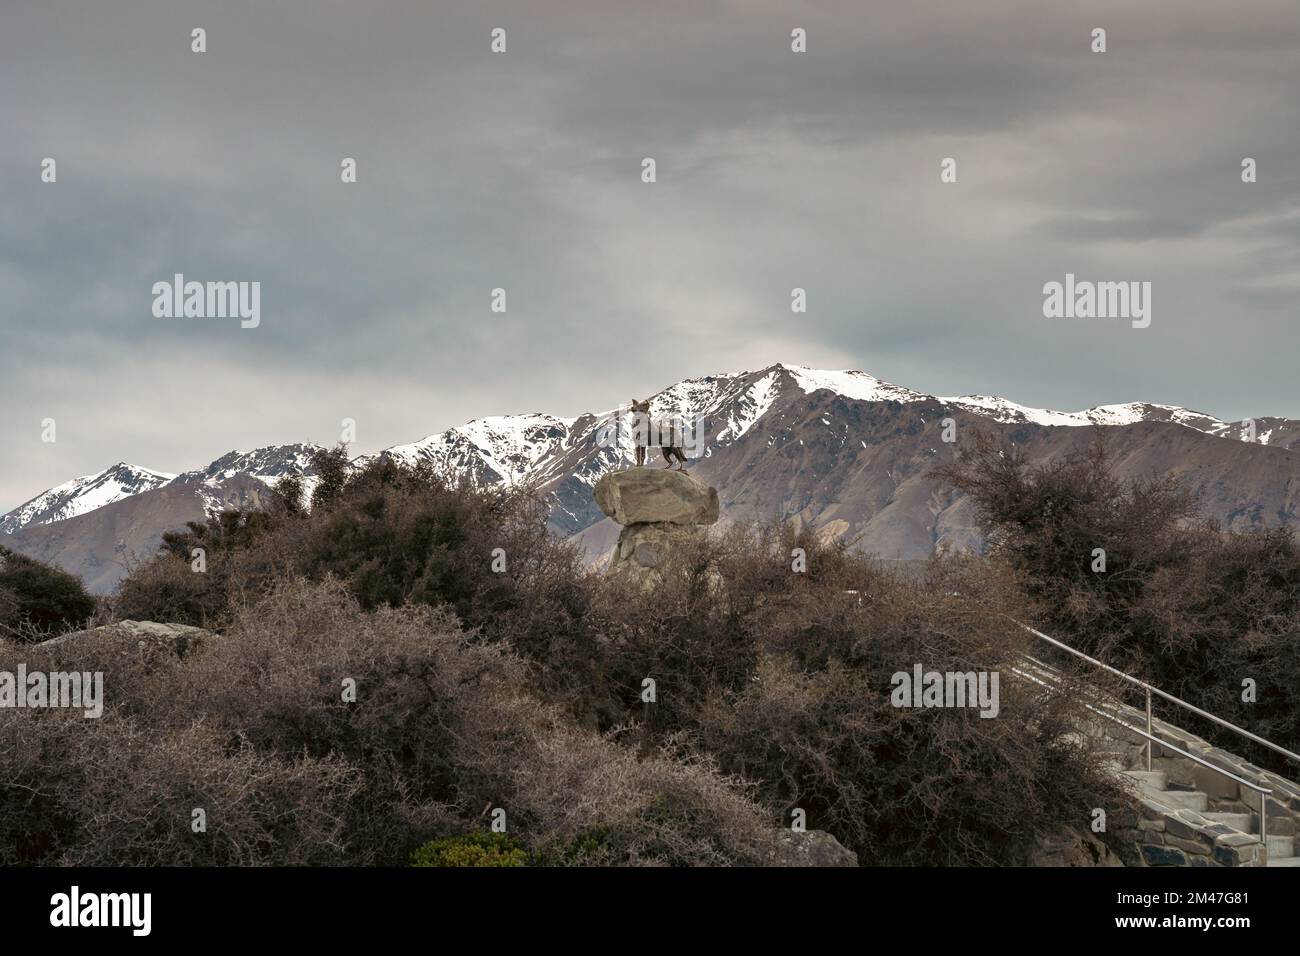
<point x="656" y="496"/>
<point x="145" y="637"/>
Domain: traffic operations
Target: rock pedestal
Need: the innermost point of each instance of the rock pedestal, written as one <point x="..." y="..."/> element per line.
<point x="658" y="509"/>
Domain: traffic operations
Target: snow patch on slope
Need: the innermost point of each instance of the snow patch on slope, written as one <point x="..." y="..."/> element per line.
<point x="1128" y="413"/>
<point x="1002" y="410"/>
<point x="267" y="465"/>
<point x="499" y="448"/>
<point x="753" y="405"/>
<point x="851" y="384"/>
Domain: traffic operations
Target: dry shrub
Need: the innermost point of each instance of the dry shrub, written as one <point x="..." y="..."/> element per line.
<point x="444" y="720"/>
<point x="8" y="607"/>
<point x="898" y="786"/>
<point x="568" y="787"/>
<point x="784" y="679"/>
<point x="442" y="726"/>
<point x="164" y="588"/>
<point x="113" y="792"/>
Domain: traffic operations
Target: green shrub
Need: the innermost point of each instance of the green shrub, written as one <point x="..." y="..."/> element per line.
<point x="37" y="600"/>
<point x="113" y="792"/>
<point x="395" y="534"/>
<point x="589" y="848"/>
<point x="472" y="849"/>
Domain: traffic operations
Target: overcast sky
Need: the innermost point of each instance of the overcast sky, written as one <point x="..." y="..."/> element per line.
<point x="522" y="170"/>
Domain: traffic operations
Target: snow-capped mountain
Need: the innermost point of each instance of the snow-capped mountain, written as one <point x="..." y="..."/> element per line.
<point x="213" y="484"/>
<point x="268" y="464"/>
<point x="1002" y="410"/>
<point x="564" y="457"/>
<point x="504" y="448"/>
<point x="537" y="448"/>
<point x="84" y="494"/>
<point x="840" y="450"/>
<point x="81" y="495"/>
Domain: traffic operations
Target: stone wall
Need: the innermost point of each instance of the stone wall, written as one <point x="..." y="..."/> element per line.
<point x="1172" y="836"/>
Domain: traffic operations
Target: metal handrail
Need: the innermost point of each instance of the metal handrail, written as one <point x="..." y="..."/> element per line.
<point x="1164" y="694"/>
<point x="1168" y="746"/>
<point x="1151" y="738"/>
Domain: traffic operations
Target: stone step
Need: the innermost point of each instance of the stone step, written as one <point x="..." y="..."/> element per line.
<point x="1195" y="789"/>
<point x="1245" y="822"/>
<point x="1149" y="779"/>
<point x="1182" y="799"/>
<point x="1281" y="847"/>
<point x="1120" y="761"/>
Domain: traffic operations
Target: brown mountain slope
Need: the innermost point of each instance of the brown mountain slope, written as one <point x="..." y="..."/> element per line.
<point x="101" y="545"/>
<point x="863" y="471"/>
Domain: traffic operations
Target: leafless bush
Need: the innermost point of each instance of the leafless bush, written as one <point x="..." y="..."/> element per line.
<point x="113" y="792"/>
<point x="783" y="678"/>
<point x="441" y="726"/>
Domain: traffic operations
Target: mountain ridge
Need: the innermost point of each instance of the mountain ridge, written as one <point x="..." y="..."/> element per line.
<point x="519" y="447"/>
<point x="864" y="442"/>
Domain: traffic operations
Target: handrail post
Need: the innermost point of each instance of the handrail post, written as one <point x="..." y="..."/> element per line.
<point x="1263" y="829"/>
<point x="1148" y="728"/>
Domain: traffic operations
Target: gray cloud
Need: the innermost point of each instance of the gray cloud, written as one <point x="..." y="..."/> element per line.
<point x="522" y="171"/>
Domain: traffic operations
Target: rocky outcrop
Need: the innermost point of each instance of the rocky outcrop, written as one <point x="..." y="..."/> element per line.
<point x="1071" y="847"/>
<point x="659" y="509"/>
<point x="810" y="848"/>
<point x="146" y="637"/>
